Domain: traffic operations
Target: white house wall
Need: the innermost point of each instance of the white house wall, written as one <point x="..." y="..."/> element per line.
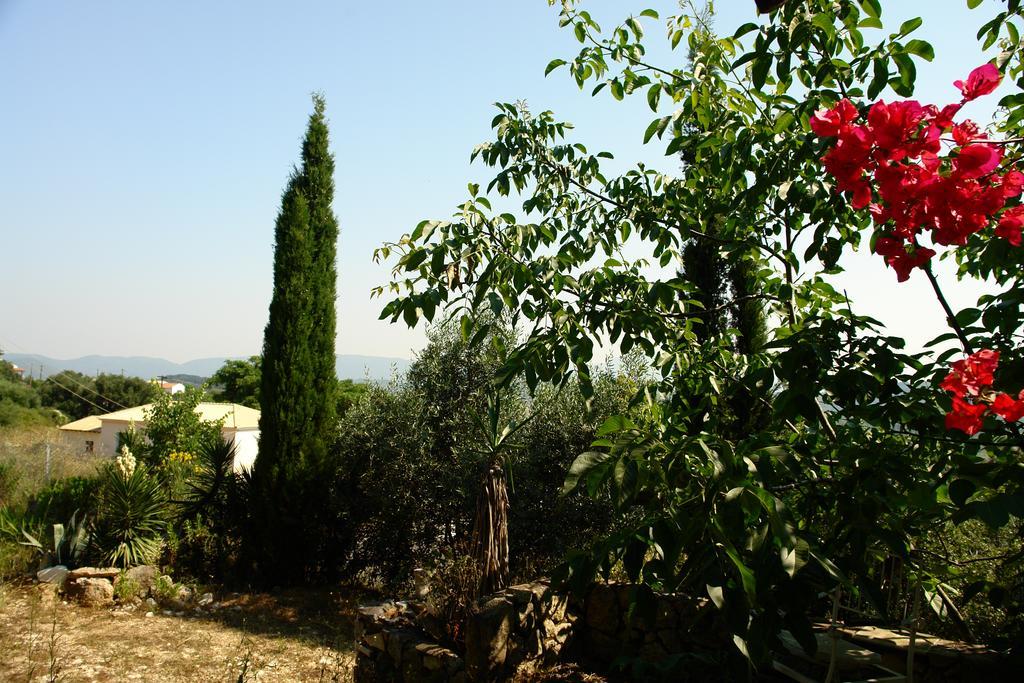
<point x="246" y="443"/>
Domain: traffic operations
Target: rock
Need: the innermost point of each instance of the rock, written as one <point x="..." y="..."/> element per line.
<point x="144" y="575"/>
<point x="376" y="641"/>
<point x="149" y="614"/>
<point x="487" y="636"/>
<point x="108" y="573"/>
<point x="56" y="574"/>
<point x="602" y="610"/>
<point x="206" y="599"/>
<point x="150" y="602"/>
<point x="92" y="592"/>
<point x="185" y="594"/>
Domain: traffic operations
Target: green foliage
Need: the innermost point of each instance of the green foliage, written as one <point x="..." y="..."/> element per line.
<point x="63" y="497"/>
<point x="126" y="589"/>
<point x="411" y="460"/>
<point x="77" y="395"/>
<point x="9" y="477"/>
<point x="131" y="516"/>
<point x="772" y="468"/>
<point x="349" y="393"/>
<point x="213" y="516"/>
<point x="238" y="381"/>
<point x="21" y="405"/>
<point x="298" y="383"/>
<point x="174" y="426"/>
<point x="67" y="545"/>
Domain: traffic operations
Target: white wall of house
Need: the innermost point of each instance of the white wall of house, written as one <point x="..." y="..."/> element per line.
<point x="108" y="435"/>
<point x="79" y="442"/>
<point x="246" y="442"/>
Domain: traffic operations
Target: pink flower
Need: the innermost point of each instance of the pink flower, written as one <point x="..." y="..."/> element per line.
<point x="982" y="81"/>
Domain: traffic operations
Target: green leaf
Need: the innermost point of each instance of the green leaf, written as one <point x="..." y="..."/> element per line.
<point x="582" y="465"/>
<point x="921" y="48"/>
<point x="960" y="490"/>
<point x="910" y="25"/>
<point x="552" y="65"/>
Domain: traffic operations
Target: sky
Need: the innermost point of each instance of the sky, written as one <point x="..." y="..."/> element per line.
<point x="145" y="146"/>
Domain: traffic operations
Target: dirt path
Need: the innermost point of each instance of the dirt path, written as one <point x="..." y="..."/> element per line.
<point x="295" y="636"/>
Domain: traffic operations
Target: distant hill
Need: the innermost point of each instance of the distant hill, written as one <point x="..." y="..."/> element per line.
<point x="191" y="380"/>
<point x="375" y="368"/>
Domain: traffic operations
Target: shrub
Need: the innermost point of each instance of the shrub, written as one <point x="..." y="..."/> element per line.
<point x="9" y="477"/>
<point x="63" y="498"/>
<point x="126" y="589"/>
<point x="132" y="514"/>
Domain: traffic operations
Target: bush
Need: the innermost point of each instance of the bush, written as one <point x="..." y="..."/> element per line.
<point x="63" y="498"/>
<point x="410" y="464"/>
<point x="132" y="515"/>
<point x="9" y="477"/>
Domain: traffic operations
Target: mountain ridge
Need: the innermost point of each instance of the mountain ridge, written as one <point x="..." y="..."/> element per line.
<point x="347" y="366"/>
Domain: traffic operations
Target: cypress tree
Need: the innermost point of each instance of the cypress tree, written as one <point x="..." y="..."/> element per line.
<point x="298" y="384"/>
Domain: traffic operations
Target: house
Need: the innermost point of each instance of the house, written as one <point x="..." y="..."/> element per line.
<point x="99" y="433"/>
<point x="171" y="388"/>
<point x="83" y="436"/>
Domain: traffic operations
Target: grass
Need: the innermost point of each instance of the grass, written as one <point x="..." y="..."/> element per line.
<point x="23" y="450"/>
<point x="291" y="636"/>
<point x="24" y="472"/>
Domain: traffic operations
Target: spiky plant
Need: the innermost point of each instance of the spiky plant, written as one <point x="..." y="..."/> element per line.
<point x="207" y="487"/>
<point x="131" y="517"/>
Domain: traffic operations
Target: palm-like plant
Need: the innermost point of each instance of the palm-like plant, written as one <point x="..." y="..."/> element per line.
<point x="490" y="529"/>
<point x="210" y="482"/>
<point x="131" y="517"/>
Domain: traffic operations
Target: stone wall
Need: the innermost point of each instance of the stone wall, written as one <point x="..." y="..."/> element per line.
<point x="530" y="626"/>
<point x="522" y="626"/>
<point x="679" y="624"/>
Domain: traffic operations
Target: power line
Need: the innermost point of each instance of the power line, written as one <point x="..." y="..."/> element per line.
<point x="51" y="379"/>
<point x="64" y="375"/>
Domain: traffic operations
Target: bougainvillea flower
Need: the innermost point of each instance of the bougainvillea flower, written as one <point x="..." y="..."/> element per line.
<point x="967" y="417"/>
<point x="1012" y="184"/>
<point x="977" y="160"/>
<point x="944" y="117"/>
<point x="1010" y="225"/>
<point x="972" y="374"/>
<point x="828" y="123"/>
<point x="982" y="81"/>
<point x="967" y="132"/>
<point x="899" y="259"/>
<point x="1008" y="408"/>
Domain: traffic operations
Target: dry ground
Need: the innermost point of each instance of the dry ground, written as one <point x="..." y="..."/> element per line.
<point x="294" y="636"/>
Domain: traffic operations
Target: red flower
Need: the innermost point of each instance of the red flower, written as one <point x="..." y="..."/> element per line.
<point x="828" y="123"/>
<point x="1008" y="408"/>
<point x="972" y="374"/>
<point x="967" y="417"/>
<point x="982" y="81"/>
<point x="1012" y="184"/>
<point x="976" y="160"/>
<point x="1010" y="225"/>
<point x="899" y="258"/>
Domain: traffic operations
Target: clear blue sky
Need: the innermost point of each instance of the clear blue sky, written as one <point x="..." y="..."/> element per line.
<point x="145" y="146"/>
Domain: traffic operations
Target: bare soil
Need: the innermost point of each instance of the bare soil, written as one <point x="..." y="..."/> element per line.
<point x="291" y="636"/>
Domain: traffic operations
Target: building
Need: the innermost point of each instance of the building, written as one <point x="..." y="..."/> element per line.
<point x="99" y="433"/>
<point x="171" y="388"/>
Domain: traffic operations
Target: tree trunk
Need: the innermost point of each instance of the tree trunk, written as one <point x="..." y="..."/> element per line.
<point x="490" y="532"/>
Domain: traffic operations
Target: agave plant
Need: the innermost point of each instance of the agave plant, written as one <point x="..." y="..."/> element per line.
<point x="131" y="518"/>
<point x="70" y="542"/>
